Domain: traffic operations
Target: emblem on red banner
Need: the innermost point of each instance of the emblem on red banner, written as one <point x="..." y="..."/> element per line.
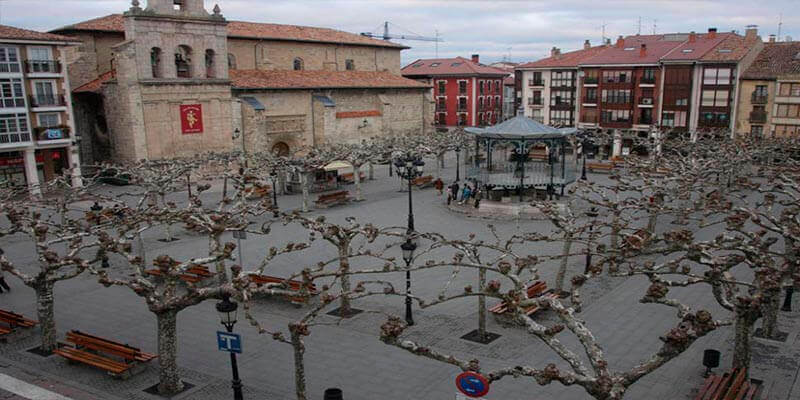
<point x="191" y="119"/>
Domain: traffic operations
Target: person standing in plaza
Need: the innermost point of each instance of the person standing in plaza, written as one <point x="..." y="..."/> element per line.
<point x="449" y="194"/>
<point x="478" y="195"/>
<point x="465" y="194"/>
<point x="454" y="186"/>
<point x="439" y="185"/>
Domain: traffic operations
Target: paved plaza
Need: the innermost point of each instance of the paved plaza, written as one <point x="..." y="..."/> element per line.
<point x="349" y="354"/>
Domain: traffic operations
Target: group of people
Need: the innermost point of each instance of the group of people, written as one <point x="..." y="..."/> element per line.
<point x="469" y="192"/>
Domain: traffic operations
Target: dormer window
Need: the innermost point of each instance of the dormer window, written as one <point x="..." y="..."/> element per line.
<point x="177" y="5"/>
<point x="630" y="48"/>
<point x="435" y="65"/>
<point x="687" y="50"/>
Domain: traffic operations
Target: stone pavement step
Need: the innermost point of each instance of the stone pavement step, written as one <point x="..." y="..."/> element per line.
<point x="26" y="390"/>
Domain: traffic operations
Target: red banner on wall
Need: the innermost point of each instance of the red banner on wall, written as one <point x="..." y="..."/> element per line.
<point x="191" y="119"/>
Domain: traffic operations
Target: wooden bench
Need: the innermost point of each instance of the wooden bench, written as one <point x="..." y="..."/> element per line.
<point x="729" y="386"/>
<point x="98" y="352"/>
<point x="598" y="166"/>
<point x="537" y="289"/>
<point x="349" y="177"/>
<point x="329" y="199"/>
<point x="423" y="181"/>
<point x="293" y="285"/>
<point x="636" y="241"/>
<point x="14" y="320"/>
<point x="194" y="274"/>
<point x="257" y="191"/>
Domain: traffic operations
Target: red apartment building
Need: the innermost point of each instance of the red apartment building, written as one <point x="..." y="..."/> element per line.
<point x="467" y="93"/>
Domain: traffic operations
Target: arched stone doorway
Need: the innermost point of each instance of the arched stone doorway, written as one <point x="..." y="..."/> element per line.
<point x="280" y="149"/>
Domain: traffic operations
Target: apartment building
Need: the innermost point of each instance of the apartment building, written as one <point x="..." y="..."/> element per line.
<point x="684" y="81"/>
<point x="38" y="140"/>
<point x="547" y="89"/>
<point x="466" y="92"/>
<point x="770" y="92"/>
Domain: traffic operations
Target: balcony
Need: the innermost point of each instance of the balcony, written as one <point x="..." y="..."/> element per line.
<point x="648" y="80"/>
<point x="534" y="82"/>
<point x="588" y="119"/>
<point x="44" y="134"/>
<point x="535" y="101"/>
<point x="590" y="99"/>
<point x="42" y="66"/>
<point x="590" y="80"/>
<point x="47" y="101"/>
<point x="646" y="121"/>
<point x="758" y="98"/>
<point x="758" y="117"/>
<point x="646" y="101"/>
<point x="564" y="105"/>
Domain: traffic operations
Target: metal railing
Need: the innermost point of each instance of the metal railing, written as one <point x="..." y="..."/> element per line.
<point x="758" y="98"/>
<point x="47" y="101"/>
<point x="37" y="66"/>
<point x="758" y="116"/>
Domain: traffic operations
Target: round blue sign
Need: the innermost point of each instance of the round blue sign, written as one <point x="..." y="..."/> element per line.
<point x="472" y="384"/>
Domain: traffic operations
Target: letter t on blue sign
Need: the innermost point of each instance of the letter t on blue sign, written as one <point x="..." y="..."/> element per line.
<point x="230" y="342"/>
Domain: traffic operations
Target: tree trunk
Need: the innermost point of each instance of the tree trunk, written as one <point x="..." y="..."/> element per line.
<point x="299" y="366"/>
<point x="166" y="225"/>
<point x="214" y="247"/>
<point x="745" y="319"/>
<point x="304" y="184"/>
<point x="357" y="180"/>
<point x="651" y="223"/>
<point x="169" y="382"/>
<point x="439" y="162"/>
<point x="482" y="304"/>
<point x="45" y="312"/>
<point x="224" y="188"/>
<point x="770" y="305"/>
<point x="615" y="229"/>
<point x="142" y="253"/>
<point x="371" y="171"/>
<point x="562" y="270"/>
<point x="344" y="269"/>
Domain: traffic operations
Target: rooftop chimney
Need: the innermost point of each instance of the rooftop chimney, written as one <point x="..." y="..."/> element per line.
<point x="692" y="37"/>
<point x="608" y="42"/>
<point x="586" y="45"/>
<point x="643" y="50"/>
<point x="772" y="38"/>
<point x="712" y="33"/>
<point x="476" y="58"/>
<point x="620" y="42"/>
<point x="555" y="51"/>
<point x="751" y="31"/>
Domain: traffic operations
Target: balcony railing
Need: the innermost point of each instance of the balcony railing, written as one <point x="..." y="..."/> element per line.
<point x="563" y="105"/>
<point x="535" y="82"/>
<point x="590" y="99"/>
<point x="648" y="80"/>
<point x="646" y="100"/>
<point x="16" y="137"/>
<point x="646" y="121"/>
<point x="590" y="80"/>
<point x="47" y="101"/>
<point x="758" y="98"/>
<point x="589" y="120"/>
<point x="534" y="101"/>
<point x="758" y="116"/>
<point x="51" y="133"/>
<point x="36" y="66"/>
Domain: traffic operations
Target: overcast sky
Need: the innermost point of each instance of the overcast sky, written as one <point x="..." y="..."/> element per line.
<point x="515" y="30"/>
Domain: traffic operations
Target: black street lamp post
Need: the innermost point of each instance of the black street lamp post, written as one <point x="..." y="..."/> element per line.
<point x="409" y="167"/>
<point x="274" y="175"/>
<point x="787" y="301"/>
<point x="408" y="255"/>
<point x="592" y="213"/>
<point x="227" y="313"/>
<point x="458" y="164"/>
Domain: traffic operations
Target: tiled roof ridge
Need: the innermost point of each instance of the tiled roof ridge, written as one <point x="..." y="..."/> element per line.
<point x="14" y="33"/>
<point x="114" y="23"/>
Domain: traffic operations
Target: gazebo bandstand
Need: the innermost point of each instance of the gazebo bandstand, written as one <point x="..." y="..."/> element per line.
<point x="504" y="160"/>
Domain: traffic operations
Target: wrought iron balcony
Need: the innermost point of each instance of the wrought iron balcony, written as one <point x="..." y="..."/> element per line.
<point x="758" y="116"/>
<point x="758" y="98"/>
<point x="590" y="80"/>
<point x="535" y="82"/>
<point x="39" y="66"/>
<point x="47" y="101"/>
<point x="648" y="80"/>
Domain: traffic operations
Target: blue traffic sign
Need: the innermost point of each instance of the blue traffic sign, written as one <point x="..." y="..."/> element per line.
<point x="472" y="384"/>
<point x="230" y="342"/>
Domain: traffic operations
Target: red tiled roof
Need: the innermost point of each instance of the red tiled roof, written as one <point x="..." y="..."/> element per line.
<point x="775" y="60"/>
<point x="255" y="30"/>
<point x="738" y="45"/>
<point x="459" y="66"/>
<point x="95" y="85"/>
<point x="656" y="47"/>
<point x="10" y="32"/>
<point x="358" y="114"/>
<point x="255" y="79"/>
<point x="568" y="59"/>
<point x="695" y="50"/>
<point x="509" y="80"/>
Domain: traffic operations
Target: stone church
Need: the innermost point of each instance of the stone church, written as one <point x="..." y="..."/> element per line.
<point x="172" y="79"/>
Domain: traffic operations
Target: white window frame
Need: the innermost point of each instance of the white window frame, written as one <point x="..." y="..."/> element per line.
<point x="22" y="134"/>
<point x="8" y="64"/>
<point x="36" y="94"/>
<point x="39" y="119"/>
<point x="12" y="81"/>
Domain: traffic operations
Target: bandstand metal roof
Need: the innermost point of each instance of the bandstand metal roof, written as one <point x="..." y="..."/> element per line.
<point x="521" y="127"/>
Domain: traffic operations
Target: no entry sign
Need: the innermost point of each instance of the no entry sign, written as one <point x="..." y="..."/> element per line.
<point x="472" y="384"/>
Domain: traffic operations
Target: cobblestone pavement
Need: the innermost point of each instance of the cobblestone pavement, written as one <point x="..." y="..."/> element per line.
<point x="349" y="355"/>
